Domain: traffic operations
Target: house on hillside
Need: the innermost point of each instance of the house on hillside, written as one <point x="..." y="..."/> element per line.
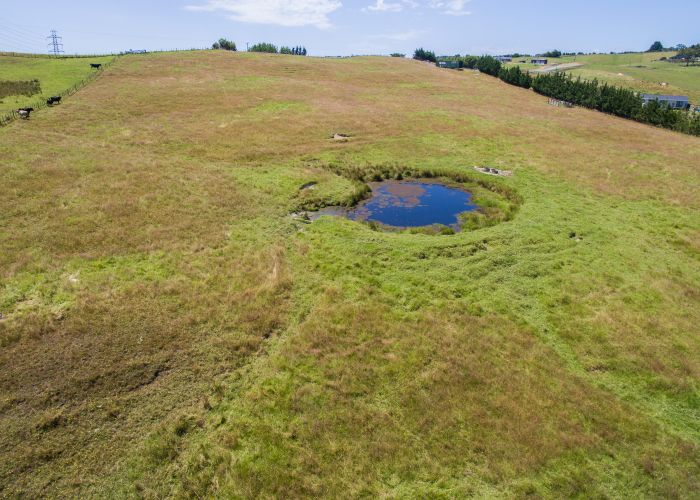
<point x="673" y="101"/>
<point x="448" y="64"/>
<point x="504" y="59"/>
<point x="540" y="61"/>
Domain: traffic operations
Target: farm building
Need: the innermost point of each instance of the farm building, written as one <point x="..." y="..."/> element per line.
<point x="504" y="58"/>
<point x="448" y="64"/>
<point x="673" y="101"/>
<point x="540" y="62"/>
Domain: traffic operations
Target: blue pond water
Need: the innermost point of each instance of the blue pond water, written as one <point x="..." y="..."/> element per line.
<point x="409" y="204"/>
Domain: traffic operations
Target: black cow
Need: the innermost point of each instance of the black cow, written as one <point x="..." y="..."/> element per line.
<point x="24" y="113"/>
<point x="53" y="100"/>
<point x="95" y="66"/>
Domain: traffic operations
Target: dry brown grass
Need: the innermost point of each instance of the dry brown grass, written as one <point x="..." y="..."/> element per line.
<point x="148" y="271"/>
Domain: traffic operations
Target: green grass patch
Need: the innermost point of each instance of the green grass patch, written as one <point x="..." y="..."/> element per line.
<point x="206" y="344"/>
<point x="644" y="72"/>
<point x="54" y="76"/>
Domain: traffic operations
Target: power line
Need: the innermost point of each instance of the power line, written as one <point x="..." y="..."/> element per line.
<point x="14" y="47"/>
<point x="13" y="38"/>
<point x="6" y="24"/>
<point x="19" y="37"/>
<point x="8" y="30"/>
<point x="12" y="41"/>
<point x="24" y="27"/>
<point x="55" y="46"/>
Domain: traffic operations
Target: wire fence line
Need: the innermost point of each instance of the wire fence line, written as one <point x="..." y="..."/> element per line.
<point x="29" y="55"/>
<point x="8" y="118"/>
<point x="560" y="103"/>
<point x="87" y="56"/>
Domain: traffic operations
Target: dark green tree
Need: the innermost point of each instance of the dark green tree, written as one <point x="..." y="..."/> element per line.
<point x="224" y="44"/>
<point x="424" y="55"/>
<point x="552" y="53"/>
<point x="656" y="47"/>
<point x="470" y="62"/>
<point x="263" y="47"/>
<point x="489" y="65"/>
<point x="515" y="76"/>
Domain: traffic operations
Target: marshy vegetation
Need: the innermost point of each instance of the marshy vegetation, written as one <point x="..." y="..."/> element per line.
<point x="26" y="88"/>
<point x="494" y="201"/>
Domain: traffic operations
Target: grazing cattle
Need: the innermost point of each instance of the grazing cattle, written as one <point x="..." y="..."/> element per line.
<point x="95" y="66"/>
<point x="24" y="113"/>
<point x="53" y="100"/>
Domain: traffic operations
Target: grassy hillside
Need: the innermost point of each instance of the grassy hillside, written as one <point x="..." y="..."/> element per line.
<point x="644" y="72"/>
<point x="54" y="75"/>
<point x="169" y="330"/>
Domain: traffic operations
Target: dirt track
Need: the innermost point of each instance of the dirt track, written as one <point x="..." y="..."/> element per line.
<point x="558" y="67"/>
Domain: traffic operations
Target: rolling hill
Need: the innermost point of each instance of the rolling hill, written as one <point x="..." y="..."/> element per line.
<point x="168" y="329"/>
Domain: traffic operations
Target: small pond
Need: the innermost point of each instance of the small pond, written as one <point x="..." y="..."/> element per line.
<point x="406" y="204"/>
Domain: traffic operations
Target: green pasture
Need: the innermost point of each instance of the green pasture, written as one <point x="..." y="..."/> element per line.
<point x="55" y="75"/>
<point x="644" y="71"/>
<point x="169" y="330"/>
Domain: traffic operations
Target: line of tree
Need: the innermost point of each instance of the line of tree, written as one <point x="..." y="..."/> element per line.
<point x="552" y="53"/>
<point x="397" y="54"/>
<point x="272" y="49"/>
<point x="264" y="47"/>
<point x="224" y="44"/>
<point x="424" y="55"/>
<point x="614" y="100"/>
<point x="587" y="93"/>
<point x="485" y="64"/>
<point x="295" y="51"/>
<point x="659" y="47"/>
<point x="692" y="51"/>
<point x="688" y="54"/>
<point x="515" y="76"/>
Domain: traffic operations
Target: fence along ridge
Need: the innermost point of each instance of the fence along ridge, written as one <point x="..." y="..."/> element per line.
<point x="87" y="56"/>
<point x="8" y="118"/>
<point x="47" y="56"/>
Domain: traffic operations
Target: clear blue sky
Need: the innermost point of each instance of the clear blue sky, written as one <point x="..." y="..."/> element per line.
<point x="341" y="27"/>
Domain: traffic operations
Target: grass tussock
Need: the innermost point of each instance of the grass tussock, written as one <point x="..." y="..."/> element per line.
<point x="27" y="88"/>
<point x="498" y="201"/>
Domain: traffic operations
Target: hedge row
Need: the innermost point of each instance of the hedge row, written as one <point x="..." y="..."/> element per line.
<point x="590" y="94"/>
